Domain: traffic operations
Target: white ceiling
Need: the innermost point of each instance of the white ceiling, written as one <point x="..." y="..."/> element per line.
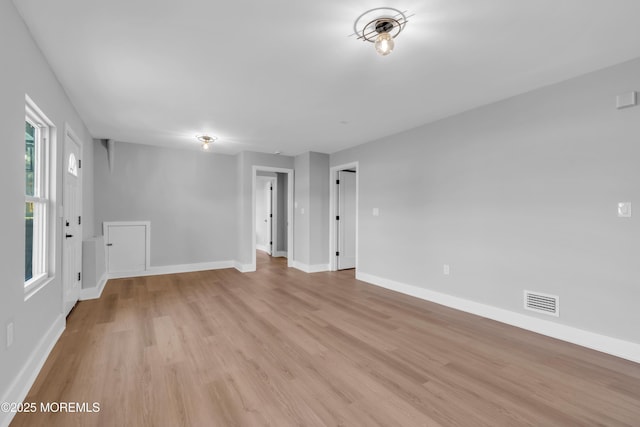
<point x="285" y="75"/>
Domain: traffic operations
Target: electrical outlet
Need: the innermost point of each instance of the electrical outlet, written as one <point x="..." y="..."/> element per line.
<point x="446" y="270"/>
<point x="624" y="210"/>
<point x="9" y="334"/>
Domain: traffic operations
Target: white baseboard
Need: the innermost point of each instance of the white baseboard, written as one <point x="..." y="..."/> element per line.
<point x="275" y="254"/>
<point x="244" y="268"/>
<point x="317" y="268"/>
<point x="21" y="385"/>
<point x="173" y="269"/>
<point x="95" y="292"/>
<point x="614" y="346"/>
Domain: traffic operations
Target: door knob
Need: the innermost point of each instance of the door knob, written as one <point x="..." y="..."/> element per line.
<point x="68" y="235"/>
<point x="109" y="244"/>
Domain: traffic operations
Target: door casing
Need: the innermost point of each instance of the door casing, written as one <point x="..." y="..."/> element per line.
<point x="268" y="212"/>
<point x="290" y="228"/>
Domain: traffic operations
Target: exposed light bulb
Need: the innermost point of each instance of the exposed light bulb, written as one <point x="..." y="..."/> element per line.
<point x="206" y="141"/>
<point x="384" y="44"/>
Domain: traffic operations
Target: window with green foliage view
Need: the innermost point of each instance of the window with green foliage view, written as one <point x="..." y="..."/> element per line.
<point x="36" y="205"/>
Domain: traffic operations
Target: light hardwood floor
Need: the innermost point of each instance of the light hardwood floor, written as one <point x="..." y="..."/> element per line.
<point x="280" y="347"/>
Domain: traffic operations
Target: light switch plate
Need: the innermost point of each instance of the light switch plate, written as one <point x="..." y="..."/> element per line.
<point x="625" y="100"/>
<point x="446" y="270"/>
<point x="624" y="210"/>
<point x="376" y="212"/>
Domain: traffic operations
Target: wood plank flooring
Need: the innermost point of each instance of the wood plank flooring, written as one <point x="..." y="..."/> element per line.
<point x="280" y="347"/>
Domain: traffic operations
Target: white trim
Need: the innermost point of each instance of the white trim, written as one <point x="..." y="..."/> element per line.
<point x="605" y="344"/>
<point x="23" y="382"/>
<point x="37" y="288"/>
<point x="333" y="194"/>
<point x="174" y="269"/>
<point x="244" y="268"/>
<point x="274" y="215"/>
<point x="147" y="234"/>
<point x="316" y="268"/>
<point x="96" y="291"/>
<point x="47" y="149"/>
<point x="35" y="284"/>
<point x="279" y="254"/>
<point x="290" y="183"/>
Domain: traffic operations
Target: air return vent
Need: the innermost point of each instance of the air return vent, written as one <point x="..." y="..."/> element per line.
<point x="542" y="303"/>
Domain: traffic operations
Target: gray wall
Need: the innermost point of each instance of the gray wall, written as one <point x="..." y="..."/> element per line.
<point x="516" y="195"/>
<point x="319" y="208"/>
<point x="312" y="197"/>
<point x="199" y="204"/>
<point x="301" y="230"/>
<point x="189" y="197"/>
<point x="25" y="71"/>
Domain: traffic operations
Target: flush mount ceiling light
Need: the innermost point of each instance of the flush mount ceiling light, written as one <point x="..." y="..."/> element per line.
<point x="206" y="141"/>
<point x="380" y="26"/>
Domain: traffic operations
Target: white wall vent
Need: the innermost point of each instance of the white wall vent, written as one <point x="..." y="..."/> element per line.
<point x="542" y="303"/>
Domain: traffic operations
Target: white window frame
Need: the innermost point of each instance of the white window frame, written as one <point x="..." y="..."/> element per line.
<point x="43" y="236"/>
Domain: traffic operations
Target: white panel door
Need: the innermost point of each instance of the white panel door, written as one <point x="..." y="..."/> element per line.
<point x="72" y="228"/>
<point x="347" y="221"/>
<point x="126" y="247"/>
<point x="264" y="214"/>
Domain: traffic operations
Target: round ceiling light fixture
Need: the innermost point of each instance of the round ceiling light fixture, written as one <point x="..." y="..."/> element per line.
<point x="206" y="141"/>
<point x="380" y="26"/>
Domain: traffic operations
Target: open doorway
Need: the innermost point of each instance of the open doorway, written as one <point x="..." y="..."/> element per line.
<point x="343" y="239"/>
<point x="272" y="236"/>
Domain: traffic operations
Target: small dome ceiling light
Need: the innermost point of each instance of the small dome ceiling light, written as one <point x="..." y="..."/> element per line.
<point x="206" y="141"/>
<point x="380" y="26"/>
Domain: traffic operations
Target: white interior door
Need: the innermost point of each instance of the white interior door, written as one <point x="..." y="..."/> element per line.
<point x="265" y="213"/>
<point x="268" y="221"/>
<point x="262" y="214"/>
<point x="273" y="216"/>
<point x="127" y="247"/>
<point x="72" y="227"/>
<point x="347" y="220"/>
